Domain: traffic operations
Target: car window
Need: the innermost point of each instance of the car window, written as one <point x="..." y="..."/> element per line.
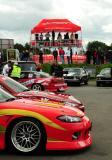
<point x="17" y="87"/>
<point x="28" y="66"/>
<point x="1" y="86"/>
<point x="105" y="71"/>
<point x="4" y="96"/>
<point x="74" y="70"/>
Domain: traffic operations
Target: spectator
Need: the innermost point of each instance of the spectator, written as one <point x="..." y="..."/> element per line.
<point x="41" y="37"/>
<point x="47" y="35"/>
<point x="66" y="38"/>
<point x="94" y="56"/>
<point x="6" y="69"/>
<point x="16" y="71"/>
<point x="55" y="54"/>
<point x="59" y="37"/>
<point x="56" y="70"/>
<point x="37" y="37"/>
<point x="61" y="53"/>
<point x="30" y="54"/>
<point x="68" y="55"/>
<point x="41" y="56"/>
<point x="25" y="55"/>
<point x="72" y="38"/>
<point x="53" y="37"/>
<point x="71" y="53"/>
<point x="39" y="67"/>
<point x="88" y="56"/>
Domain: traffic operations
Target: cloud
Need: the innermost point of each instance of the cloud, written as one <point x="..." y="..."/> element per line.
<point x="18" y="17"/>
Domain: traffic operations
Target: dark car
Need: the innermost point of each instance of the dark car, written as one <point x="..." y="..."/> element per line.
<point x="75" y="75"/>
<point x="104" y="77"/>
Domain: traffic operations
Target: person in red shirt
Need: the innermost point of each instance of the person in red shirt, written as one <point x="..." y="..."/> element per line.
<point x="62" y="53"/>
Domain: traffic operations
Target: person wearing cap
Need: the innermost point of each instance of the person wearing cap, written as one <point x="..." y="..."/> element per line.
<point x="16" y="71"/>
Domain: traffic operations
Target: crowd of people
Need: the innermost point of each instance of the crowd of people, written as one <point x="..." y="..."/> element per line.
<point x="98" y="56"/>
<point x="47" y="37"/>
<point x="12" y="69"/>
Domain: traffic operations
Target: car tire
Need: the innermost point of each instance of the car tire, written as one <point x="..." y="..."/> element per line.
<point x="85" y="82"/>
<point x="37" y="87"/>
<point x="98" y="84"/>
<point x="26" y="136"/>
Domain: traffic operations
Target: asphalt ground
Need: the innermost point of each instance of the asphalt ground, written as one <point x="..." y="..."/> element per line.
<point x="98" y="103"/>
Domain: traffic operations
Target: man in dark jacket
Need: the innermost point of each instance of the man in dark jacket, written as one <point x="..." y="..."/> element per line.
<point x="56" y="70"/>
<point x="55" y="54"/>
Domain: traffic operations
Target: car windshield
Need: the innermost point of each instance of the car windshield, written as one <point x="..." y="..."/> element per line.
<point x="28" y="66"/>
<point x="16" y="86"/>
<point x="74" y="70"/>
<point x="105" y="71"/>
<point x="4" y="96"/>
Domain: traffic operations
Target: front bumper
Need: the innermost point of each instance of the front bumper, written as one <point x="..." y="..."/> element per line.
<point x="74" y="145"/>
<point x="74" y="139"/>
<point x="72" y="80"/>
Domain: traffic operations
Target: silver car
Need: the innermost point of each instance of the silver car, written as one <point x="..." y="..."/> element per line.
<point x="75" y="75"/>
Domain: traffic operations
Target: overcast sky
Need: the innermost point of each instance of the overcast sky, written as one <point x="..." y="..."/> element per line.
<point x="18" y="17"/>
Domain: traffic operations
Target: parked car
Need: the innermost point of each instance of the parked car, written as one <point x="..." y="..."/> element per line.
<point x="104" y="77"/>
<point x="42" y="81"/>
<point x="29" y="126"/>
<point x="20" y="91"/>
<point x="75" y="75"/>
<point x="39" y="80"/>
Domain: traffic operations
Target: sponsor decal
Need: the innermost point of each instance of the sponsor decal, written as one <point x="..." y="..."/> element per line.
<point x="31" y="81"/>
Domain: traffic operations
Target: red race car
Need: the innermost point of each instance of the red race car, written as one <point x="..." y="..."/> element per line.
<point x="42" y="81"/>
<point x="39" y="80"/>
<point x="20" y="91"/>
<point x="32" y="126"/>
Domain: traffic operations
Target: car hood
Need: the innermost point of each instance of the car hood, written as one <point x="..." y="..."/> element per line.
<point x="42" y="107"/>
<point x="103" y="75"/>
<point x="49" y="96"/>
<point x="70" y="74"/>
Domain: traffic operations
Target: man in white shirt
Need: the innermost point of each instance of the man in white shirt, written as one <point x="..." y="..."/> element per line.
<point x="6" y="68"/>
<point x="68" y="55"/>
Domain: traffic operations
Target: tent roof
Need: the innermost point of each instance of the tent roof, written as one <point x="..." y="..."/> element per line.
<point x="58" y="25"/>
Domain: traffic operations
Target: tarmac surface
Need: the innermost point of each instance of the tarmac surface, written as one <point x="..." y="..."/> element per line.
<point x="98" y="102"/>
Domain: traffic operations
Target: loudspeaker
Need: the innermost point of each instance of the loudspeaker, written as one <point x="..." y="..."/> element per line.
<point x="76" y="36"/>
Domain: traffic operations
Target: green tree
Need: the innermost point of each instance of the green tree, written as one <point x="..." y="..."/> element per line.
<point x="27" y="46"/>
<point x="92" y="46"/>
<point x="18" y="46"/>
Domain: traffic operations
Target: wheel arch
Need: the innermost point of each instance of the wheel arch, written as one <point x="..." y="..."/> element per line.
<point x="11" y="124"/>
<point x="40" y="84"/>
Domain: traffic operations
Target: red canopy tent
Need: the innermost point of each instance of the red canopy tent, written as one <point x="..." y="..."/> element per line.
<point x="58" y="25"/>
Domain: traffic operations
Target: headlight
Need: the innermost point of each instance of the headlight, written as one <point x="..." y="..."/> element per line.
<point x="77" y="77"/>
<point x="69" y="119"/>
<point x="74" y="99"/>
<point x="98" y="78"/>
<point x="71" y="104"/>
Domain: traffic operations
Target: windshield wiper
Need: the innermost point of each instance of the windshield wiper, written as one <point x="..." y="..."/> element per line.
<point x="10" y="99"/>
